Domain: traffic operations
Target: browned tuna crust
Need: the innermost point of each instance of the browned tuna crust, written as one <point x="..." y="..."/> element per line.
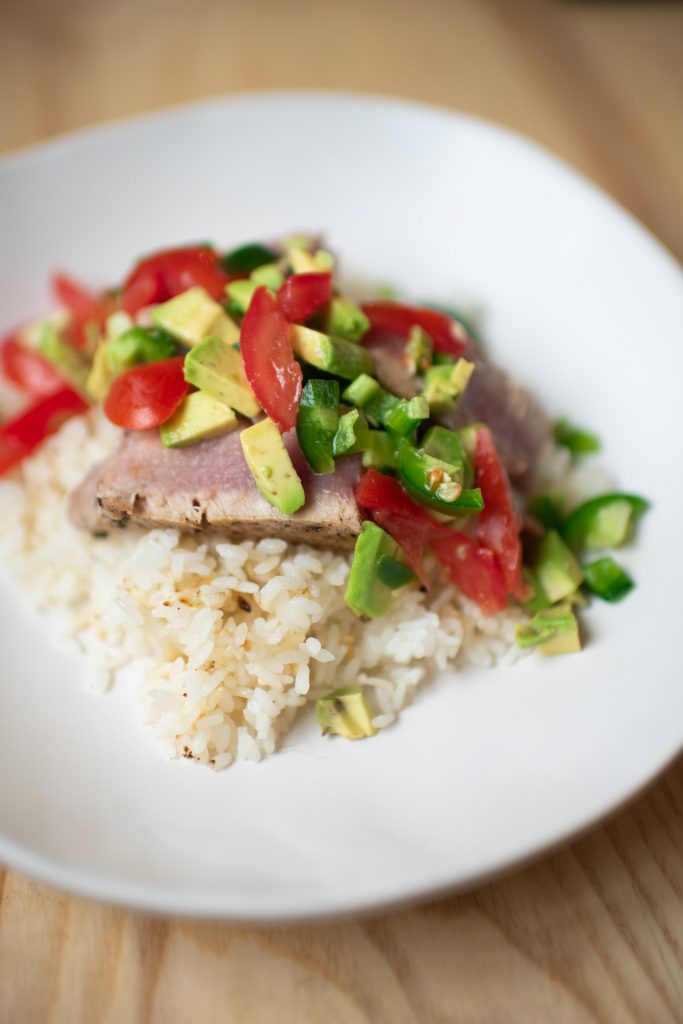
<point x="210" y="485"/>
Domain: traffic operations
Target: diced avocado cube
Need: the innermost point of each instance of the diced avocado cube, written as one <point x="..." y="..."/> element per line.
<point x="194" y="315"/>
<point x="380" y="452"/>
<point x="324" y="260"/>
<point x="316" y="423"/>
<point x="366" y="595"/>
<point x="198" y="418"/>
<point x="100" y="377"/>
<point x="336" y="356"/>
<point x="246" y="258"/>
<point x="419" y="350"/>
<point x="445" y="384"/>
<point x="553" y="630"/>
<point x="539" y="598"/>
<point x="557" y="571"/>
<point x="271" y="466"/>
<point x="352" y="435"/>
<point x="361" y="390"/>
<point x="301" y="261"/>
<point x="240" y="293"/>
<point x="67" y="360"/>
<point x="217" y="368"/>
<point x="344" y="319"/>
<point x="345" y="712"/>
<point x="270" y="275"/>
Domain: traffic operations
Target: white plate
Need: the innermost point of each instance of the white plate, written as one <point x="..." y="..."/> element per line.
<point x="485" y="769"/>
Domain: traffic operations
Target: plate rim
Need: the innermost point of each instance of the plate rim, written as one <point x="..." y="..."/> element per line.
<point x="189" y="903"/>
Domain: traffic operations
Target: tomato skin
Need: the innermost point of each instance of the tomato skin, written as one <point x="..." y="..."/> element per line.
<point x="499" y="524"/>
<point x="28" y="369"/>
<point x="84" y="306"/>
<point x="301" y="294"/>
<point x="167" y="273"/>
<point x="473" y="569"/>
<point x="20" y="436"/>
<point x="147" y="395"/>
<point x="397" y="319"/>
<point x="272" y="371"/>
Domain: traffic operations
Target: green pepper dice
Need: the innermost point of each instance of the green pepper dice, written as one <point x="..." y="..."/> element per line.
<point x="436" y="483"/>
<point x="316" y="423"/>
<point x="603" y="522"/>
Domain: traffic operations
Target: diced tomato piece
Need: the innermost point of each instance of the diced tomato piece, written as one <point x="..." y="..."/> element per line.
<point x="85" y="307"/>
<point x="20" y="436"/>
<point x="473" y="569"/>
<point x="499" y="525"/>
<point x="408" y="523"/>
<point x="28" y="369"/>
<point x="272" y="371"/>
<point x="167" y="273"/>
<point x="301" y="294"/>
<point x="147" y="395"/>
<point x="398" y="319"/>
<point x="79" y="300"/>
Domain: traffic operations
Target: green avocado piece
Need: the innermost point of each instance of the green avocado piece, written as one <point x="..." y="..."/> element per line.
<point x="240" y="293"/>
<point x="336" y="356"/>
<point x="366" y="595"/>
<point x="217" y="368"/>
<point x="64" y="357"/>
<point x="270" y="275"/>
<point x="344" y="319"/>
<point x="271" y="466"/>
<point x="194" y="315"/>
<point x="198" y="418"/>
<point x="553" y="630"/>
<point x="100" y="377"/>
<point x="557" y="571"/>
<point x="345" y="712"/>
<point x="445" y="384"/>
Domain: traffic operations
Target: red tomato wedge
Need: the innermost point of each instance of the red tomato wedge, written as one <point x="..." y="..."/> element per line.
<point x="147" y="395"/>
<point x="408" y="523"/>
<point x="301" y="294"/>
<point x="167" y="273"/>
<point x="20" y="436"/>
<point x="272" y="371"/>
<point x="499" y="524"/>
<point x="28" y="369"/>
<point x="396" y="318"/>
<point x="473" y="569"/>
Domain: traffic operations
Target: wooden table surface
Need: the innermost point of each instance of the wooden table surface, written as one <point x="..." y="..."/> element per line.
<point x="591" y="933"/>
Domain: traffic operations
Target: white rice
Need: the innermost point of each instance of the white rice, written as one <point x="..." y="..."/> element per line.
<point x="225" y="641"/>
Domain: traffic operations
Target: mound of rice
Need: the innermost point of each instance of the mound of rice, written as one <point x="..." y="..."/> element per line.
<point x="225" y="641"/>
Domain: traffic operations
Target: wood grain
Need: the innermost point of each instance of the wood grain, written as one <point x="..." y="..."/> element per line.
<point x="592" y="933"/>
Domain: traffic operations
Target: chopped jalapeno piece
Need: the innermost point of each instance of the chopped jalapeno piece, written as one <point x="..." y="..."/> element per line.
<point x="607" y="579"/>
<point x="361" y="390"/>
<point x="352" y="435"/>
<point x="138" y="345"/>
<point x="603" y="522"/>
<point x="394" y="574"/>
<point x="448" y="446"/>
<point x="366" y="595"/>
<point x="577" y="440"/>
<point x="436" y="483"/>
<point x="547" y="510"/>
<point x="316" y="423"/>
<point x="247" y="258"/>
<point x="380" y="452"/>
